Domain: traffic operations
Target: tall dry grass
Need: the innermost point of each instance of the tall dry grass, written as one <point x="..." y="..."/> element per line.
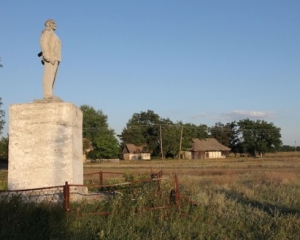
<point x="238" y="198"/>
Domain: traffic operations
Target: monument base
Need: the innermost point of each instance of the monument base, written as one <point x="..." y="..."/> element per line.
<point x="45" y="145"/>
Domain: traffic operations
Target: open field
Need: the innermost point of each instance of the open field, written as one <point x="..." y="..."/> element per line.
<point x="238" y="198"/>
<point x="273" y="161"/>
<point x="280" y="167"/>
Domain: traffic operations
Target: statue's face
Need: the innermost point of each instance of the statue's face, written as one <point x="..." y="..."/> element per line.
<point x="53" y="25"/>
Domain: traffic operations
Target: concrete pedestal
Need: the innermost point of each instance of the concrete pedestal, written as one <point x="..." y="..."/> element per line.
<point x="45" y="145"/>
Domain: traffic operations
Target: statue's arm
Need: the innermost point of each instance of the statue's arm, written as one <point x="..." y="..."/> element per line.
<point x="45" y="46"/>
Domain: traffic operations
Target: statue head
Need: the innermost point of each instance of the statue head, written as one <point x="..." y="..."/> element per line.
<point x="50" y="23"/>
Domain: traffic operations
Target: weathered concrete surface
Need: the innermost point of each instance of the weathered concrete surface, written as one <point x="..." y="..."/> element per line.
<point x="45" y="145"/>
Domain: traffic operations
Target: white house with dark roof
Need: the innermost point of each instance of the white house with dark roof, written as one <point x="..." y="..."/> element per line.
<point x="133" y="152"/>
<point x="208" y="148"/>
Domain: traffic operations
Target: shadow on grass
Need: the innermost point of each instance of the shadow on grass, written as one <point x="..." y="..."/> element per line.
<point x="269" y="208"/>
<point x="20" y="220"/>
<point x="3" y="165"/>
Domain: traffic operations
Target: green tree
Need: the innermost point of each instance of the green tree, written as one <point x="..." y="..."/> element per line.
<point x="143" y="128"/>
<point x="150" y="129"/>
<point x="4" y="149"/>
<point x="258" y="137"/>
<point x="2" y="115"/>
<point x="132" y="134"/>
<point x="96" y="129"/>
<point x="173" y="132"/>
<point x="287" y="148"/>
<point x="190" y="131"/>
<point x="170" y="139"/>
<point x="222" y="132"/>
<point x="235" y="143"/>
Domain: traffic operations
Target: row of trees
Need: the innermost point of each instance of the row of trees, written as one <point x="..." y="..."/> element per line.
<point x="164" y="138"/>
<point x="247" y="136"/>
<point x="244" y="136"/>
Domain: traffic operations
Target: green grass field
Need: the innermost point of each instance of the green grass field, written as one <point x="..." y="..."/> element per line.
<point x="238" y="198"/>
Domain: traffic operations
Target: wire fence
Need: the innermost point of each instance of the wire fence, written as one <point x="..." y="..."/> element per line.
<point x="103" y="189"/>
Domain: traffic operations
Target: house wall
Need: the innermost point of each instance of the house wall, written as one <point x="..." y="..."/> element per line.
<point x="187" y="155"/>
<point x="198" y="155"/>
<point x="126" y="156"/>
<point x="136" y="156"/>
<point x="145" y="156"/>
<point x="216" y="154"/>
<point x="207" y="155"/>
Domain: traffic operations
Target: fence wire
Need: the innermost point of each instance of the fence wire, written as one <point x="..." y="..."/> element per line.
<point x="106" y="192"/>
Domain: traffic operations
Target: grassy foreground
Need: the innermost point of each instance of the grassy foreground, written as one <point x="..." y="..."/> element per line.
<point x="239" y="198"/>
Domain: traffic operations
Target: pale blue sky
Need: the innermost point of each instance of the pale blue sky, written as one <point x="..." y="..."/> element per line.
<point x="197" y="62"/>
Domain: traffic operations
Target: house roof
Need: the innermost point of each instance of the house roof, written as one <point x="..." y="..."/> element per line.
<point x="208" y="144"/>
<point x="134" y="149"/>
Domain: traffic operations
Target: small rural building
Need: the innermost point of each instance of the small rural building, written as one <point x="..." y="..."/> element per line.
<point x="208" y="148"/>
<point x="133" y="152"/>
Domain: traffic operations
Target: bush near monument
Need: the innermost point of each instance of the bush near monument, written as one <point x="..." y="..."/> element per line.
<point x="4" y="149"/>
<point x="2" y="115"/>
<point x="96" y="129"/>
<point x="4" y="140"/>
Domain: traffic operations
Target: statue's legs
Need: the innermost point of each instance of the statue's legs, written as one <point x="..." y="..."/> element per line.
<point x="50" y="71"/>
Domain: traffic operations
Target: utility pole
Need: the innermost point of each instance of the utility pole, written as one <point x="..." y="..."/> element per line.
<point x="295" y="146"/>
<point x="161" y="146"/>
<point x="180" y="143"/>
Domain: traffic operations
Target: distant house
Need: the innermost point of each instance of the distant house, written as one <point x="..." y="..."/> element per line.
<point x="208" y="148"/>
<point x="133" y="152"/>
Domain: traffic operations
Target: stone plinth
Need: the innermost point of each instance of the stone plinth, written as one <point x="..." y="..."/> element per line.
<point x="45" y="145"/>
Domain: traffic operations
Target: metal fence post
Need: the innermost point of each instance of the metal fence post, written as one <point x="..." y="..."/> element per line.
<point x="66" y="195"/>
<point x="101" y="178"/>
<point x="177" y="193"/>
<point x="159" y="175"/>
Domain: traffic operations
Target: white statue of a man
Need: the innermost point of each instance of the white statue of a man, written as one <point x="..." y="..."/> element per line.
<point x="51" y="57"/>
